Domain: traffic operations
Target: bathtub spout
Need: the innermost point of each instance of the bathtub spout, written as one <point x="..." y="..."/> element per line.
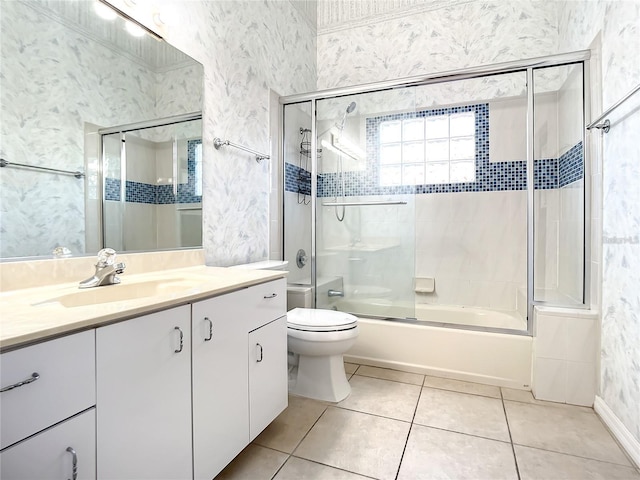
<point x="335" y="293"/>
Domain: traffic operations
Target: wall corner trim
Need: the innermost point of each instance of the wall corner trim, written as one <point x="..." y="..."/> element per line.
<point x="629" y="443"/>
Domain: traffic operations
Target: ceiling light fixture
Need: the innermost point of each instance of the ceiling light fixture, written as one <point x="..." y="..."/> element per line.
<point x="131" y="20"/>
<point x="104" y="11"/>
<point x="133" y="29"/>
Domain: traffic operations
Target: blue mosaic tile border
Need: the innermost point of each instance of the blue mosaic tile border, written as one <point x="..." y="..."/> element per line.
<point x="297" y="180"/>
<point x="138" y="192"/>
<point x="549" y="173"/>
<point x="571" y="165"/>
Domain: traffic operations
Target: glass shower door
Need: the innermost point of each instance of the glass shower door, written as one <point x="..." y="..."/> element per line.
<point x="365" y="228"/>
<point x="560" y="233"/>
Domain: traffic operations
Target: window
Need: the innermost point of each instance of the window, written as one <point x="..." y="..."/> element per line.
<point x="431" y="149"/>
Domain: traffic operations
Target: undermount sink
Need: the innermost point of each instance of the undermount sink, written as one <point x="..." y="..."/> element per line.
<point x="124" y="291"/>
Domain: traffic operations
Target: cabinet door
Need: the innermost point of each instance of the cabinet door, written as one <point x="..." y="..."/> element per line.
<point x="144" y="397"/>
<point x="45" y="456"/>
<point x="267" y="374"/>
<point x="220" y="383"/>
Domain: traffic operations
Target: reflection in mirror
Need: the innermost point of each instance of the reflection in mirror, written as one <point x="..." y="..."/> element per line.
<point x="152" y="181"/>
<point x="66" y="73"/>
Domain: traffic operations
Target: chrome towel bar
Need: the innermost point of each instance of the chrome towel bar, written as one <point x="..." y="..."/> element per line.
<point x="606" y="125"/>
<point x="7" y="163"/>
<point x="217" y="142"/>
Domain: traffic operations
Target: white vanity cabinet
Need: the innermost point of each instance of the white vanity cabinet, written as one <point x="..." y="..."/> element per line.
<point x="143" y="378"/>
<point x="46" y="407"/>
<point x="233" y="400"/>
<point x="220" y="383"/>
<point x="267" y="374"/>
<point x="265" y="320"/>
<point x="175" y="394"/>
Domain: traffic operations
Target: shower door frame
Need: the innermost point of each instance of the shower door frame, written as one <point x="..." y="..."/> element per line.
<point x="527" y="66"/>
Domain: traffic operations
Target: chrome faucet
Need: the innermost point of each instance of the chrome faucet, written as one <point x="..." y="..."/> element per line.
<point x="106" y="270"/>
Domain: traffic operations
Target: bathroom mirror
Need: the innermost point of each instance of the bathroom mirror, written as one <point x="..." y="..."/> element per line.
<point x="67" y="76"/>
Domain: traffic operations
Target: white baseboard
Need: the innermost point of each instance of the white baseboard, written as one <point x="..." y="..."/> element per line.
<point x="624" y="437"/>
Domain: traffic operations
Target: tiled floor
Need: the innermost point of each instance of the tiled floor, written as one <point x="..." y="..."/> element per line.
<point x="404" y="426"/>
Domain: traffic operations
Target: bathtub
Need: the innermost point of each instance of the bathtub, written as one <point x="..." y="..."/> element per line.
<point x="436" y="315"/>
<point x="482" y="357"/>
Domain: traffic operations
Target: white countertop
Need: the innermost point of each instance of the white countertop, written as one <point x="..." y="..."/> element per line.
<point x="35" y="314"/>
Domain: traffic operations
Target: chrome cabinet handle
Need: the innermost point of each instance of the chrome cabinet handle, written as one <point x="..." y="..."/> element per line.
<point x="74" y="472"/>
<point x="207" y="319"/>
<point x="261" y="354"/>
<point x="34" y="376"/>
<point x="273" y="295"/>
<point x="181" y="338"/>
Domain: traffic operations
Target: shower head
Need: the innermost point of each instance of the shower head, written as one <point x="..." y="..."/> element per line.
<point x="350" y="108"/>
<point x="340" y="125"/>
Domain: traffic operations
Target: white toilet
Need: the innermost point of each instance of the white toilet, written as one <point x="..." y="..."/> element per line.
<point x="318" y="339"/>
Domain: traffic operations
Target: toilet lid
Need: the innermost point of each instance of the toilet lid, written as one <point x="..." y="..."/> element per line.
<point x="316" y="320"/>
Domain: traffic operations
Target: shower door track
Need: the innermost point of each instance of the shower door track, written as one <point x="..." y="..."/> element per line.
<point x="442" y="77"/>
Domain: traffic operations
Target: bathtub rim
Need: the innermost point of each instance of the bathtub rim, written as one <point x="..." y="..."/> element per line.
<point x="455" y="326"/>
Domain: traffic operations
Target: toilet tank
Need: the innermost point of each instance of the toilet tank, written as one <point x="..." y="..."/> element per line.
<point x="299" y="296"/>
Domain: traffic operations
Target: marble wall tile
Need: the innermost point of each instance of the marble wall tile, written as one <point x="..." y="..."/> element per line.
<point x="247" y="48"/>
<point x="43" y="124"/>
<point x="77" y="80"/>
<point x="456" y="36"/>
<point x="617" y="22"/>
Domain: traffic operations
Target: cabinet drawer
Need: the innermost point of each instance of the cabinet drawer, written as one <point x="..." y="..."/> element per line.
<point x="45" y="456"/>
<point x="265" y="303"/>
<point x="66" y="385"/>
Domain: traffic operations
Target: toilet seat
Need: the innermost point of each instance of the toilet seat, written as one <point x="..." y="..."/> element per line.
<point x="315" y="320"/>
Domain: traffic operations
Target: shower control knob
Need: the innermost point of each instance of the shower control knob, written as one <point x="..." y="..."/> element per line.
<point x="301" y="258"/>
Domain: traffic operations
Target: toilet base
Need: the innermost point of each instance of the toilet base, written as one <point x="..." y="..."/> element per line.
<point x="321" y="378"/>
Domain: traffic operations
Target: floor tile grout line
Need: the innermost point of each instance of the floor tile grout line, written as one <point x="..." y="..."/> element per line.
<point x="513" y="448"/>
<point x="310" y="428"/>
<point x="332" y="466"/>
<point x="387" y="379"/>
<point x="458" y="391"/>
<point x="298" y="444"/>
<point x="371" y="414"/>
<point x="608" y="462"/>
<point x="406" y="442"/>
<point x="462" y="433"/>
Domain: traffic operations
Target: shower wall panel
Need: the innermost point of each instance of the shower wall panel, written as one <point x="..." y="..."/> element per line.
<point x="472" y="244"/>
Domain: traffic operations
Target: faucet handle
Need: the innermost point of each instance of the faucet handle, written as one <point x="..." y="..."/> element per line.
<point x="119" y="267"/>
<point x="106" y="257"/>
